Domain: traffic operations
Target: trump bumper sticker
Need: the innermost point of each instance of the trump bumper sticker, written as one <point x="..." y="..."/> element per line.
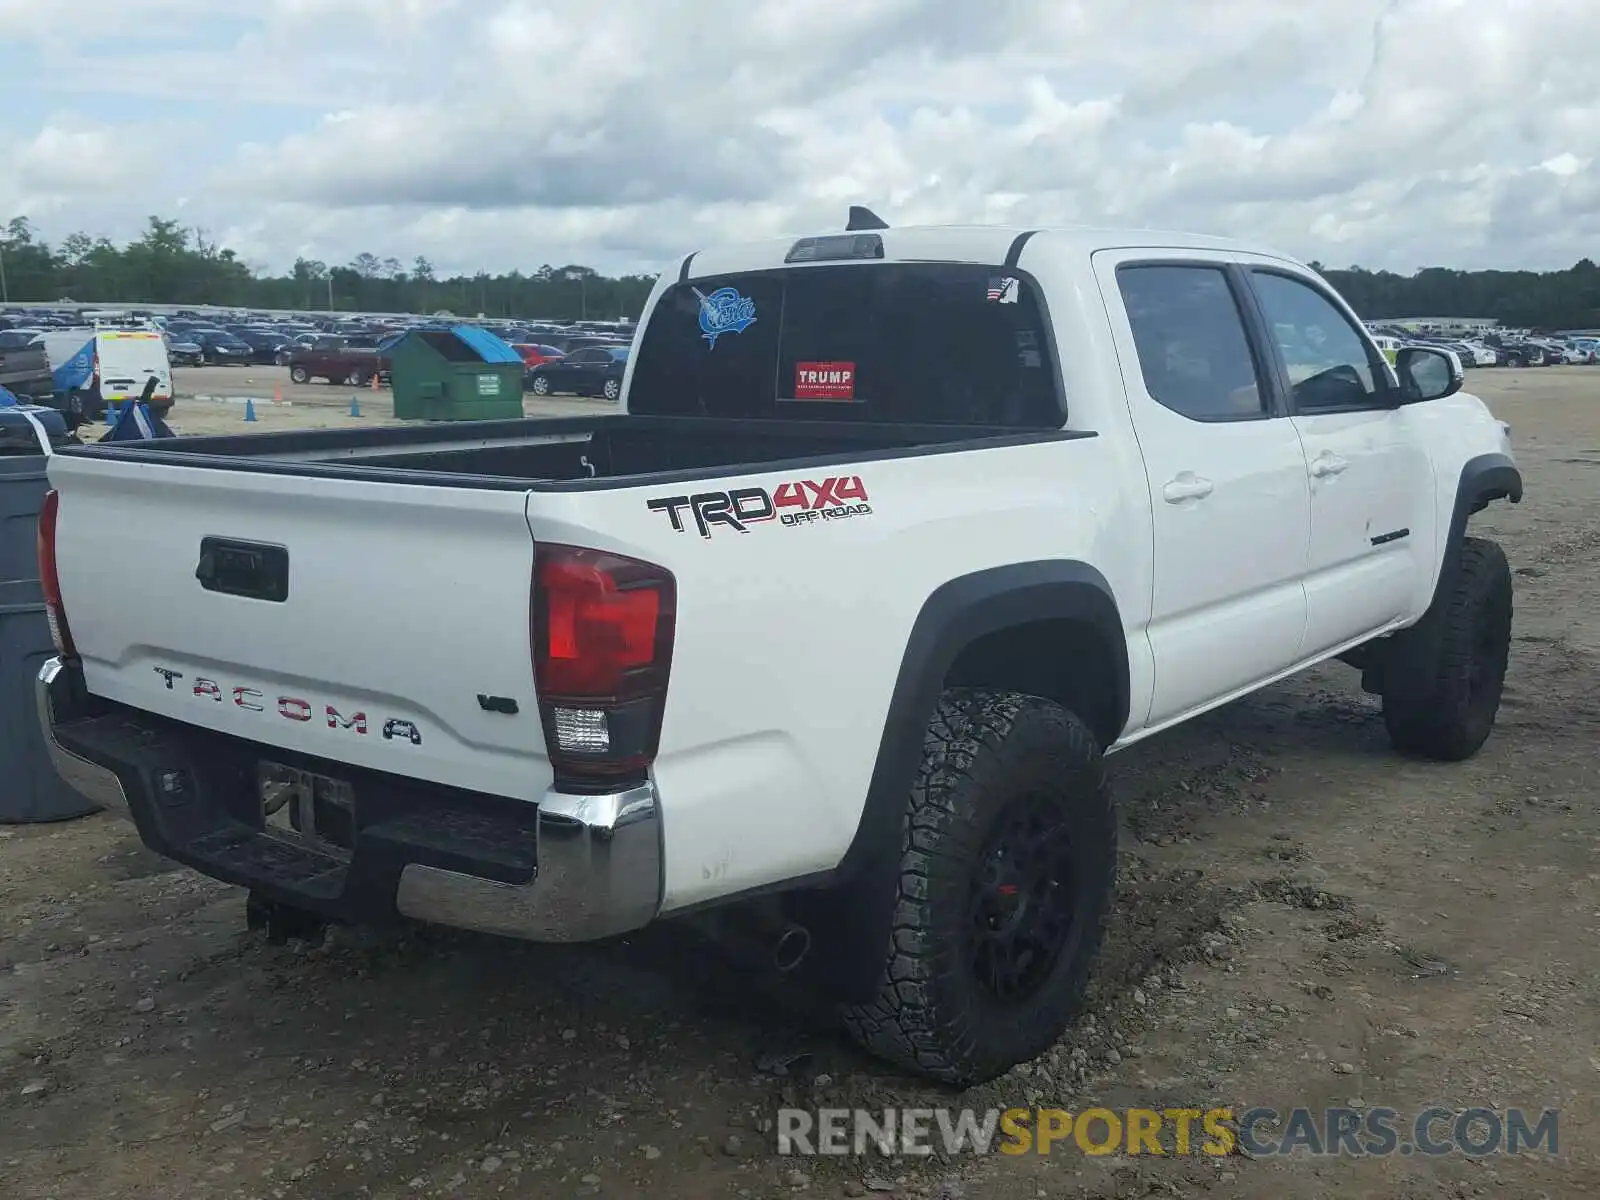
<point x="824" y="381"/>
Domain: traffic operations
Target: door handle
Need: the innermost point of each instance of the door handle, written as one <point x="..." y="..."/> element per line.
<point x="1326" y="465"/>
<point x="1187" y="486"/>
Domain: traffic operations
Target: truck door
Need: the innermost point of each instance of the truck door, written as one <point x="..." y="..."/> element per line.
<point x="1226" y="477"/>
<point x="1372" y="489"/>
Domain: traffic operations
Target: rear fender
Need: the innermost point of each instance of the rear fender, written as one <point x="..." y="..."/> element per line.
<point x="851" y="917"/>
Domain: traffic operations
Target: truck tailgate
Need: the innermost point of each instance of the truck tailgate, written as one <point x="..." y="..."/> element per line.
<point x="403" y="605"/>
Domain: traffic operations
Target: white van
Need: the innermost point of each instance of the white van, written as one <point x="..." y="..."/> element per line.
<point x="128" y="359"/>
<point x="96" y="368"/>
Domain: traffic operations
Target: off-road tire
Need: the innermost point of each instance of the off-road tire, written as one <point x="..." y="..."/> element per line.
<point x="1441" y="694"/>
<point x="984" y="752"/>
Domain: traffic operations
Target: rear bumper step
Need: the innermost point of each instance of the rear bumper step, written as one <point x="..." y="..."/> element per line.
<point x="571" y="868"/>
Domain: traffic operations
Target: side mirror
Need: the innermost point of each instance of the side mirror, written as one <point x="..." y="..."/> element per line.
<point x="1427" y="374"/>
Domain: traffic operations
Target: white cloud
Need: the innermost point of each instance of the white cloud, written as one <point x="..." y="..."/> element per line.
<point x="488" y="136"/>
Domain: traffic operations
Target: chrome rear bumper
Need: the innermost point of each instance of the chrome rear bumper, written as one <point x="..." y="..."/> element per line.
<point x="54" y="690"/>
<point x="596" y="870"/>
<point x="599" y="875"/>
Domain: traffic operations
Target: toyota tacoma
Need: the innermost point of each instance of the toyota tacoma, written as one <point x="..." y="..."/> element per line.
<point x="898" y="533"/>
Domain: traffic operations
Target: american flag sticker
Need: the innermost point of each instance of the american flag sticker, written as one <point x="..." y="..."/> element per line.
<point x="1003" y="289"/>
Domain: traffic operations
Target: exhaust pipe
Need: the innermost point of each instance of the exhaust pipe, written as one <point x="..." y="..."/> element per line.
<point x="794" y="943"/>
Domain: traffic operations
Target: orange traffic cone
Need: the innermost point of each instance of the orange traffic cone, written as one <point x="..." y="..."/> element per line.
<point x="277" y="393"/>
<point x="374" y="381"/>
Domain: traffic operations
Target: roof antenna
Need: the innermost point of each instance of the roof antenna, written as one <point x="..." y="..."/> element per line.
<point x="864" y="218"/>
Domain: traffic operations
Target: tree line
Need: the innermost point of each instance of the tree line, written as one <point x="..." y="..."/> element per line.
<point x="171" y="263"/>
<point x="1548" y="300"/>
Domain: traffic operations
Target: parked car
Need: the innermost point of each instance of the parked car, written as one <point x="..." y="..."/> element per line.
<point x="535" y="353"/>
<point x="182" y="352"/>
<point x="1584" y="350"/>
<point x="298" y="341"/>
<point x="568" y="342"/>
<point x="595" y="371"/>
<point x="221" y="347"/>
<point x="1517" y="353"/>
<point x="338" y="360"/>
<point x="828" y="632"/>
<point x="25" y="366"/>
<point x="264" y="343"/>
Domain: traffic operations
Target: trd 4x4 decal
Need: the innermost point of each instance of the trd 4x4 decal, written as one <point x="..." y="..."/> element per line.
<point x="801" y="502"/>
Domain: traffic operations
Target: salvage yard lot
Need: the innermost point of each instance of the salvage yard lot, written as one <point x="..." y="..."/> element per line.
<point x="210" y="400"/>
<point x="1304" y="919"/>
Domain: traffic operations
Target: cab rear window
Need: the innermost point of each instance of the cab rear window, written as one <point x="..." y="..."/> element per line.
<point x="934" y="343"/>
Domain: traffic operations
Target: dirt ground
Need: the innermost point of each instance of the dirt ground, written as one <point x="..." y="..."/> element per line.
<point x="1304" y="918"/>
<point x="262" y="382"/>
<point x="211" y="400"/>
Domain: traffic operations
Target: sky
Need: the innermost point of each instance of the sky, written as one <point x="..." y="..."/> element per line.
<point x="500" y="134"/>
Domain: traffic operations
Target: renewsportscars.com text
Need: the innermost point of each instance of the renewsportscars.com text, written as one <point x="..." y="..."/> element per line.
<point x="1213" y="1132"/>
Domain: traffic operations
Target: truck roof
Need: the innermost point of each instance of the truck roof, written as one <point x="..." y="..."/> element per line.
<point x="958" y="243"/>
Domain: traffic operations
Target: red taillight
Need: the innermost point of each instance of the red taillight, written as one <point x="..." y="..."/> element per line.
<point x="50" y="577"/>
<point x="602" y="627"/>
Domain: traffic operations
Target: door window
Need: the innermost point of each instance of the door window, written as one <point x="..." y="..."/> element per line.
<point x="1190" y="335"/>
<point x="1330" y="366"/>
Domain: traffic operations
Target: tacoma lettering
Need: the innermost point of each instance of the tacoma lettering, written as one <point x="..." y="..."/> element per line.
<point x="293" y="708"/>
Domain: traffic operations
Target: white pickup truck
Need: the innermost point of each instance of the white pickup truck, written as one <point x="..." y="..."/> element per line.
<point x="899" y="532"/>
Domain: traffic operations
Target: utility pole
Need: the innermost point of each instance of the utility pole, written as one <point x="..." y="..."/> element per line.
<point x="583" y="290"/>
<point x="330" y="291"/>
<point x="5" y="291"/>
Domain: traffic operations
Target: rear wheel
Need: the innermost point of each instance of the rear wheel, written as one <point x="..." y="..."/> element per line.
<point x="357" y="378"/>
<point x="540" y="386"/>
<point x="612" y="389"/>
<point x="1442" y="692"/>
<point x="1008" y="856"/>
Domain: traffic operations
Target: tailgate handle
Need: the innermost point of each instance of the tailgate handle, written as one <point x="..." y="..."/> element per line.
<point x="254" y="570"/>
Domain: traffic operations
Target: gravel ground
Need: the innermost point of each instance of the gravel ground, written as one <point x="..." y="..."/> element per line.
<point x="1303" y="919"/>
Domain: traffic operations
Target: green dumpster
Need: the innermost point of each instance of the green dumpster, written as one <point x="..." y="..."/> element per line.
<point x="456" y="374"/>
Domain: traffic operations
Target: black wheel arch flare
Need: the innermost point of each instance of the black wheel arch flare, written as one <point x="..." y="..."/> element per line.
<point x="1483" y="479"/>
<point x="852" y="910"/>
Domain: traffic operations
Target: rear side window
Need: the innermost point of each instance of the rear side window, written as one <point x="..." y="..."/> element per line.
<point x="935" y="343"/>
<point x="1193" y="351"/>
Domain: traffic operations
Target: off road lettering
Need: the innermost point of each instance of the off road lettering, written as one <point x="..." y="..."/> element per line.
<point x="798" y="502"/>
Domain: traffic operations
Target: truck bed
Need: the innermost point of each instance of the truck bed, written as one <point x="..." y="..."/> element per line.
<point x="565" y="453"/>
<point x="361" y="596"/>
